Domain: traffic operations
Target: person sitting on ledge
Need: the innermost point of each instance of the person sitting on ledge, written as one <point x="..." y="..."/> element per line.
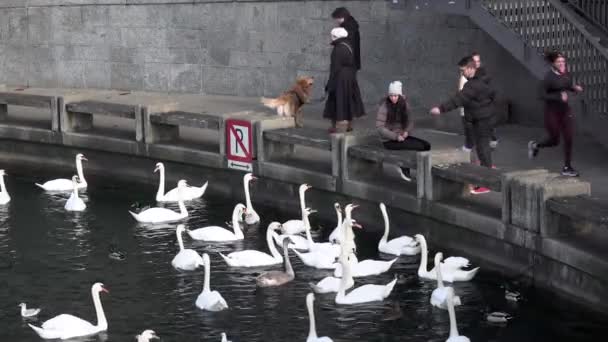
<point x="394" y="125"/>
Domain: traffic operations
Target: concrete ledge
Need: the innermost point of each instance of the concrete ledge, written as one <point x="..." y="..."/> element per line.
<point x="31" y="100"/>
<point x="581" y="208"/>
<point x="181" y="154"/>
<point x="555" y="188"/>
<point x="30" y="134"/>
<point x="103" y="143"/>
<point x="310" y="137"/>
<point x="294" y="175"/>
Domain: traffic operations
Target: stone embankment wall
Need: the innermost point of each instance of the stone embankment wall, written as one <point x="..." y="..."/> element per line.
<point x="243" y="48"/>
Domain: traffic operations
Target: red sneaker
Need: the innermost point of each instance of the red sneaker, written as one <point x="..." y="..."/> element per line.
<point x="478" y="190"/>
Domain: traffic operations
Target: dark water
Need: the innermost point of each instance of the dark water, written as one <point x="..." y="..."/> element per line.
<point x="50" y="258"/>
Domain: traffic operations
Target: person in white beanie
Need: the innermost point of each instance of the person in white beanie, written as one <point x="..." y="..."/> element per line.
<point x="343" y="95"/>
<point x="394" y="125"/>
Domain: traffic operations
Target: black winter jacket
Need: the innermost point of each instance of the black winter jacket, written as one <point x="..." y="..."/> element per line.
<point x="477" y="98"/>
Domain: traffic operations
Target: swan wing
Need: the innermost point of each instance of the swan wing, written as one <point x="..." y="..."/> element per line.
<point x="327" y="248"/>
<point x="211" y="301"/>
<point x="250" y="258"/>
<point x="66" y="322"/>
<point x="335" y="235"/>
<point x="157" y="215"/>
<point x="299" y="242"/>
<point x="371" y="267"/>
<point x="75" y="203"/>
<point x="60" y="184"/>
<point x="187" y="260"/>
<point x="190" y="193"/>
<point x="252" y="216"/>
<point x="212" y="233"/>
<point x="366" y="293"/>
<point x="317" y="260"/>
<point x="327" y="285"/>
<point x="293" y="227"/>
<point x="455" y="262"/>
<point x="439" y="298"/>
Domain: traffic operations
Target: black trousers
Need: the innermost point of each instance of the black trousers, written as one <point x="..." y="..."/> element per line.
<point x="469" y="140"/>
<point x="410" y="143"/>
<point x="482" y="130"/>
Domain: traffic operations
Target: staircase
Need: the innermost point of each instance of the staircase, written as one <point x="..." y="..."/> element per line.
<point x="527" y="28"/>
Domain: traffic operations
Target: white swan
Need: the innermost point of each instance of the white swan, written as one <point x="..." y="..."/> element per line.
<point x="440" y="294"/>
<point x="454" y="336"/>
<point x="185" y="259"/>
<point x="451" y="268"/>
<point x="253" y="258"/>
<point x="210" y="300"/>
<point x="312" y="331"/>
<point x="216" y="233"/>
<point x="332" y="284"/>
<point x="362" y="294"/>
<point x="224" y="338"/>
<point x="293" y="227"/>
<point x="75" y="203"/>
<point x="4" y="197"/>
<point x="146" y="336"/>
<point x="68" y="326"/>
<point x="327" y="248"/>
<point x="336" y="234"/>
<point x="403" y="245"/>
<point x="252" y="216"/>
<point x="363" y="268"/>
<point x="62" y="184"/>
<point x="25" y="312"/>
<point x="190" y="192"/>
<point x="163" y="215"/>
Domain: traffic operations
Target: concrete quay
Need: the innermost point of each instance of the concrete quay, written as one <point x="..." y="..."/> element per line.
<point x="547" y="226"/>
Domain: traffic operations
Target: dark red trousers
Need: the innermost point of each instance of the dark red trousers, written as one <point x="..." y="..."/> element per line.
<point x="559" y="122"/>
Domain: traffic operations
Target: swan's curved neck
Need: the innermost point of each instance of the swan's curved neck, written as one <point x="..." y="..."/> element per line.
<point x="423" y="256"/>
<point x="452" y="314"/>
<point x="386" y="226"/>
<point x="438" y="270"/>
<point x="288" y="268"/>
<point x="207" y="285"/>
<point x="247" y="196"/>
<point x="102" y="323"/>
<point x="302" y="200"/>
<point x="312" y="331"/>
<point x="161" y="184"/>
<point x="339" y="218"/>
<point x="75" y="189"/>
<point x="235" y="224"/>
<point x="79" y="171"/>
<point x="272" y="247"/>
<point x="346" y="274"/>
<point x="180" y="241"/>
<point x="2" y="186"/>
<point x="307" y="229"/>
<point x="180" y="201"/>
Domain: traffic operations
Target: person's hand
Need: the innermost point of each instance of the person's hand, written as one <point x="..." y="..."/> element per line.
<point x="400" y="138"/>
<point x="564" y="96"/>
<point x="578" y="88"/>
<point x="435" y="111"/>
<point x="404" y="135"/>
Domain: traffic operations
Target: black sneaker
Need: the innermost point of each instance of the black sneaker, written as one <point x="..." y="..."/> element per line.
<point x="405" y="174"/>
<point x="532" y="149"/>
<point x="568" y="171"/>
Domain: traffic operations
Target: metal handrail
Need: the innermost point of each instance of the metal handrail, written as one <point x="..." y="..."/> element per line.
<point x="595" y="11"/>
<point x="543" y="25"/>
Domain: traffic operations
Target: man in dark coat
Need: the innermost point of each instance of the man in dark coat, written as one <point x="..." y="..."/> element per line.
<point x="343" y="95"/>
<point x="345" y="20"/>
<point x="482" y="73"/>
<point x="477" y="98"/>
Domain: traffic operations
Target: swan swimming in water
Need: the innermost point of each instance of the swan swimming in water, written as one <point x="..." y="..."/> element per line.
<point x="336" y="234"/>
<point x="210" y="300"/>
<point x="217" y="233"/>
<point x="451" y="268"/>
<point x="253" y="258"/>
<point x="189" y="193"/>
<point x="163" y="215"/>
<point x="440" y="294"/>
<point x="62" y="184"/>
<point x="4" y="197"/>
<point x="293" y="227"/>
<point x="362" y="294"/>
<point x="67" y="326"/>
<point x="252" y="216"/>
<point x="185" y="259"/>
<point x="75" y="203"/>
<point x="146" y="336"/>
<point x="278" y="278"/>
<point x="312" y="331"/>
<point x="403" y="245"/>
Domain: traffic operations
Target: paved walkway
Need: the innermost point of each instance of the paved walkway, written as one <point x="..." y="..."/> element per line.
<point x="590" y="158"/>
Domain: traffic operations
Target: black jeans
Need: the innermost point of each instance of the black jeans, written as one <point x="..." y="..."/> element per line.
<point x="469" y="140"/>
<point x="410" y="143"/>
<point x="482" y="132"/>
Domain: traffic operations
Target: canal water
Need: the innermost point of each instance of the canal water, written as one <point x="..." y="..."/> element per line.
<point x="50" y="258"/>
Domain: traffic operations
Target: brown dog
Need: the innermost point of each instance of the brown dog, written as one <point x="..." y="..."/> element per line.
<point x="290" y="102"/>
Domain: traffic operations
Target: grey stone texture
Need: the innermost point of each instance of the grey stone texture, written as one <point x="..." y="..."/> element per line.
<point x="242" y="48"/>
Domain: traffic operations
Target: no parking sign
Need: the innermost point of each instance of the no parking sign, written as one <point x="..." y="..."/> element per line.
<point x="239" y="149"/>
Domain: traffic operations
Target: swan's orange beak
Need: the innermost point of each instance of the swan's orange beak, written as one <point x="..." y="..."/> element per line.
<point x="103" y="289"/>
<point x="356" y="225"/>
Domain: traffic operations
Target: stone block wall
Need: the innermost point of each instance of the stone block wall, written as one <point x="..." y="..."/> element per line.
<point x="229" y="47"/>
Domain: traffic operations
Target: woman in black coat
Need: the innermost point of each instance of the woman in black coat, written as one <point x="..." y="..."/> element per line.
<point x="345" y="20"/>
<point x="343" y="95"/>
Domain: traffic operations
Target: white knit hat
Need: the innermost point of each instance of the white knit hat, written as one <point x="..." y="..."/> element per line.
<point x="338" y="32"/>
<point x="395" y="88"/>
